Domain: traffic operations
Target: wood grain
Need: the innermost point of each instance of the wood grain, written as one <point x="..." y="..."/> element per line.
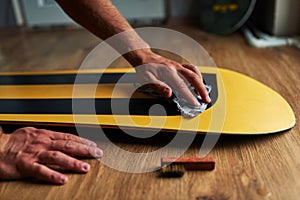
<point x="247" y="167"/>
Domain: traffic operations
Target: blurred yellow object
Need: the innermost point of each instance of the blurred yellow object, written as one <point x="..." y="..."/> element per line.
<point x="224" y="8"/>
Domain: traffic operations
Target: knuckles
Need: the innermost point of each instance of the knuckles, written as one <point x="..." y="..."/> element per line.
<point x="68" y="136"/>
<point x="167" y="71"/>
<point x="41" y="131"/>
<point x="68" y="145"/>
<point x="25" y="130"/>
<point x="48" y="156"/>
<point x="37" y="168"/>
<point x="53" y="155"/>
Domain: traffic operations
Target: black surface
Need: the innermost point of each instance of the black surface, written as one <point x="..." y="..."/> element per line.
<point x="65" y="79"/>
<point x="137" y="106"/>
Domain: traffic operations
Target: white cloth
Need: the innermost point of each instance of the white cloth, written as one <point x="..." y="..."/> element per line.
<point x="187" y="110"/>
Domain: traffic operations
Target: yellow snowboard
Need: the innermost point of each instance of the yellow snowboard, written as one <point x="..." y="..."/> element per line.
<point x="240" y="104"/>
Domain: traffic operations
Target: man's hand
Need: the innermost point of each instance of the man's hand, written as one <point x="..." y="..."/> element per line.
<point x="162" y="74"/>
<point x="28" y="152"/>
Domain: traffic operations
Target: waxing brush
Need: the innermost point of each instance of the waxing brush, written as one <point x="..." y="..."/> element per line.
<point x="176" y="167"/>
<point x="172" y="170"/>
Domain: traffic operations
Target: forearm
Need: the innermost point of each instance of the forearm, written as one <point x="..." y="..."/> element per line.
<point x="103" y="19"/>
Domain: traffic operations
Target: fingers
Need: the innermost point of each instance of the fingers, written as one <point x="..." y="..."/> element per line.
<point x="160" y="76"/>
<point x="43" y="172"/>
<point x="64" y="161"/>
<point x="193" y="76"/>
<point x="179" y="85"/>
<point x="38" y="169"/>
<point x="192" y="68"/>
<point x="158" y="86"/>
<point x="66" y="136"/>
<point x="177" y="80"/>
<point x="74" y="148"/>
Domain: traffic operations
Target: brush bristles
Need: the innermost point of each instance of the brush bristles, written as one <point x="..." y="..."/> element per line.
<point x="172" y="170"/>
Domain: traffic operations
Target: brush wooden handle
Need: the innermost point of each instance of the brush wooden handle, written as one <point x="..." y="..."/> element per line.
<point x="191" y="163"/>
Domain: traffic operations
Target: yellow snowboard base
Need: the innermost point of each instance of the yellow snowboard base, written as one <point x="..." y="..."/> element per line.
<point x="241" y="105"/>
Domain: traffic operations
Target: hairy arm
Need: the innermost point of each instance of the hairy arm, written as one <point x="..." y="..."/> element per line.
<point x="103" y="19"/>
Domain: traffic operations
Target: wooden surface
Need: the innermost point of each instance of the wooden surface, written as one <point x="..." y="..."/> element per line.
<point x="261" y="167"/>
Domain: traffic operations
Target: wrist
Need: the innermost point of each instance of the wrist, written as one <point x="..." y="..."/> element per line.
<point x="140" y="57"/>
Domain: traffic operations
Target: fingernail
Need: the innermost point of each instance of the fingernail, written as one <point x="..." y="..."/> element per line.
<point x="85" y="167"/>
<point x="98" y="152"/>
<point x="208" y="99"/>
<point x="166" y="91"/>
<point x="63" y="179"/>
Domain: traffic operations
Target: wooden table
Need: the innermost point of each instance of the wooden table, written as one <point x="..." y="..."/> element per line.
<point x="253" y="167"/>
